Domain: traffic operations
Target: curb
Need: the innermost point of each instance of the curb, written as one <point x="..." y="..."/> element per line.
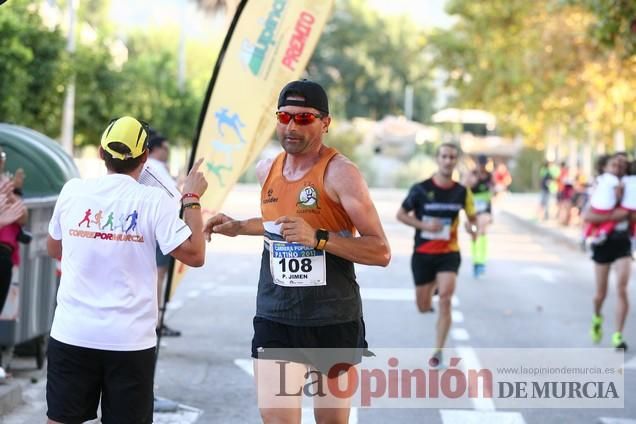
<point x="10" y="396"/>
<point x="538" y="228"/>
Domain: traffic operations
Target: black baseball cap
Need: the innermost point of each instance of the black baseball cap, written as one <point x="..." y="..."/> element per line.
<point x="155" y="139"/>
<point x="312" y="93"/>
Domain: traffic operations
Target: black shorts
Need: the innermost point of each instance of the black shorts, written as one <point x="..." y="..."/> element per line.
<point x="77" y="377"/>
<point x="425" y="266"/>
<point x="611" y="250"/>
<point x="321" y="347"/>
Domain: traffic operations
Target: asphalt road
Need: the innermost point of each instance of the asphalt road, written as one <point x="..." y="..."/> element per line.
<point x="536" y="294"/>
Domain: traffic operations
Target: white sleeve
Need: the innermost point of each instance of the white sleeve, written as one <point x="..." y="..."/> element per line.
<point x="170" y="231"/>
<point x="55" y="227"/>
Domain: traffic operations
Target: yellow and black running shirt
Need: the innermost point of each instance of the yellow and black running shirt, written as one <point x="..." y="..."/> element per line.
<point x="428" y="200"/>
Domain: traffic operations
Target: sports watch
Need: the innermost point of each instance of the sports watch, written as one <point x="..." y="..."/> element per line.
<point x="322" y="236"/>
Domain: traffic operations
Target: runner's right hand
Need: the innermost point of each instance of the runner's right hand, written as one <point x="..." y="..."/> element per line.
<point x="195" y="182"/>
<point x="221" y="224"/>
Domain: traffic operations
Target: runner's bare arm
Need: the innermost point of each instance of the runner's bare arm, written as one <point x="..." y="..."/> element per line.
<point x="617" y="215"/>
<point x="371" y="247"/>
<point x="192" y="251"/>
<point x="409" y="218"/>
<point x="54" y="247"/>
<point x="228" y="226"/>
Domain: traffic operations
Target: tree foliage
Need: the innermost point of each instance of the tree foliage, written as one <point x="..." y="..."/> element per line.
<point x="366" y="60"/>
<point x="536" y="66"/>
<point x="615" y="23"/>
<point x="33" y="68"/>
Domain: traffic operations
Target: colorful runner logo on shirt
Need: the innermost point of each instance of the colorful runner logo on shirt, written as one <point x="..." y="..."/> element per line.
<point x="126" y="224"/>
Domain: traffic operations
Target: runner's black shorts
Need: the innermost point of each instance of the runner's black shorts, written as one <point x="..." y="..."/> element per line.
<point x="318" y="346"/>
<point x="612" y="249"/>
<point x="425" y="266"/>
<point x="78" y="376"/>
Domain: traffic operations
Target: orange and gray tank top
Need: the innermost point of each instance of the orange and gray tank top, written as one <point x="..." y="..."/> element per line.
<point x="298" y="285"/>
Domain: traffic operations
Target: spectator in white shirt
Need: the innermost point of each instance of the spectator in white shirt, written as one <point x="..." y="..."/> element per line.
<point x="103" y="338"/>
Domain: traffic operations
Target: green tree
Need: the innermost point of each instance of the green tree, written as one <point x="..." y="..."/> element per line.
<point x="149" y="89"/>
<point x="33" y="68"/>
<point x="615" y="23"/>
<point x="98" y="91"/>
<point x="365" y="73"/>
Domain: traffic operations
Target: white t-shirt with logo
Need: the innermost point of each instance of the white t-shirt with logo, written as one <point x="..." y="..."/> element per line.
<point x="110" y="227"/>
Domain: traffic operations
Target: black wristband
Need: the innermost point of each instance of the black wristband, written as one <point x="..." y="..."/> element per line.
<point x="322" y="236"/>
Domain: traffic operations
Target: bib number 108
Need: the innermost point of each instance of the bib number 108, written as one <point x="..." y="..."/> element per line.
<point x="294" y="265"/>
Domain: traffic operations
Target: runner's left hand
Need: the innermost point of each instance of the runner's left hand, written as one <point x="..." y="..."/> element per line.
<point x="296" y="230"/>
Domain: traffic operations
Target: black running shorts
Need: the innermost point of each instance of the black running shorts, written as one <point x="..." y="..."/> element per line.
<point x="321" y="347"/>
<point x="425" y="266"/>
<point x="78" y="376"/>
<point x="611" y="250"/>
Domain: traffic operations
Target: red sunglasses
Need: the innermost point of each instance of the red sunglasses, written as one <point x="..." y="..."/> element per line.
<point x="303" y="118"/>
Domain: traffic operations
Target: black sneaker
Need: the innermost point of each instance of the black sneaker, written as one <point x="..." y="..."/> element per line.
<point x="168" y="332"/>
<point x="618" y="342"/>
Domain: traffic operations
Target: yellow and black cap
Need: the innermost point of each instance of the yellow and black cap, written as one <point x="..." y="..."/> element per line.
<point x="128" y="131"/>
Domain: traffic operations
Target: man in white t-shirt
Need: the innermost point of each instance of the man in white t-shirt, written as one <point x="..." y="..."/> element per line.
<point x="156" y="173"/>
<point x="103" y="337"/>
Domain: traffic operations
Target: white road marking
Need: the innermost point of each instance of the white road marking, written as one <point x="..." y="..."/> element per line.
<point x="246" y="365"/>
<point x="173" y="305"/>
<point x="460" y="334"/>
<point x="454" y="300"/>
<point x="631" y="364"/>
<point x="470" y="361"/>
<point x="366" y="293"/>
<point x="388" y="294"/>
<point x="457" y="316"/>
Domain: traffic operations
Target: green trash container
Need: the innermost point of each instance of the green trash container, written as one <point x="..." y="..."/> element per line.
<point x="29" y="309"/>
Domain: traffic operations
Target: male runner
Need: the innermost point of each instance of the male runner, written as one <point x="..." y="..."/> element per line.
<point x="481" y="184"/>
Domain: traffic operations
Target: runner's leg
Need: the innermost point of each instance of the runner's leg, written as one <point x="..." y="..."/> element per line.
<point x="424" y="296"/>
<point x="274" y="408"/>
<point x="446" y="281"/>
<point x="623" y="269"/>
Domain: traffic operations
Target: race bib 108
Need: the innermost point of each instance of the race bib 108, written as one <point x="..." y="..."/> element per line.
<point x="296" y="265"/>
